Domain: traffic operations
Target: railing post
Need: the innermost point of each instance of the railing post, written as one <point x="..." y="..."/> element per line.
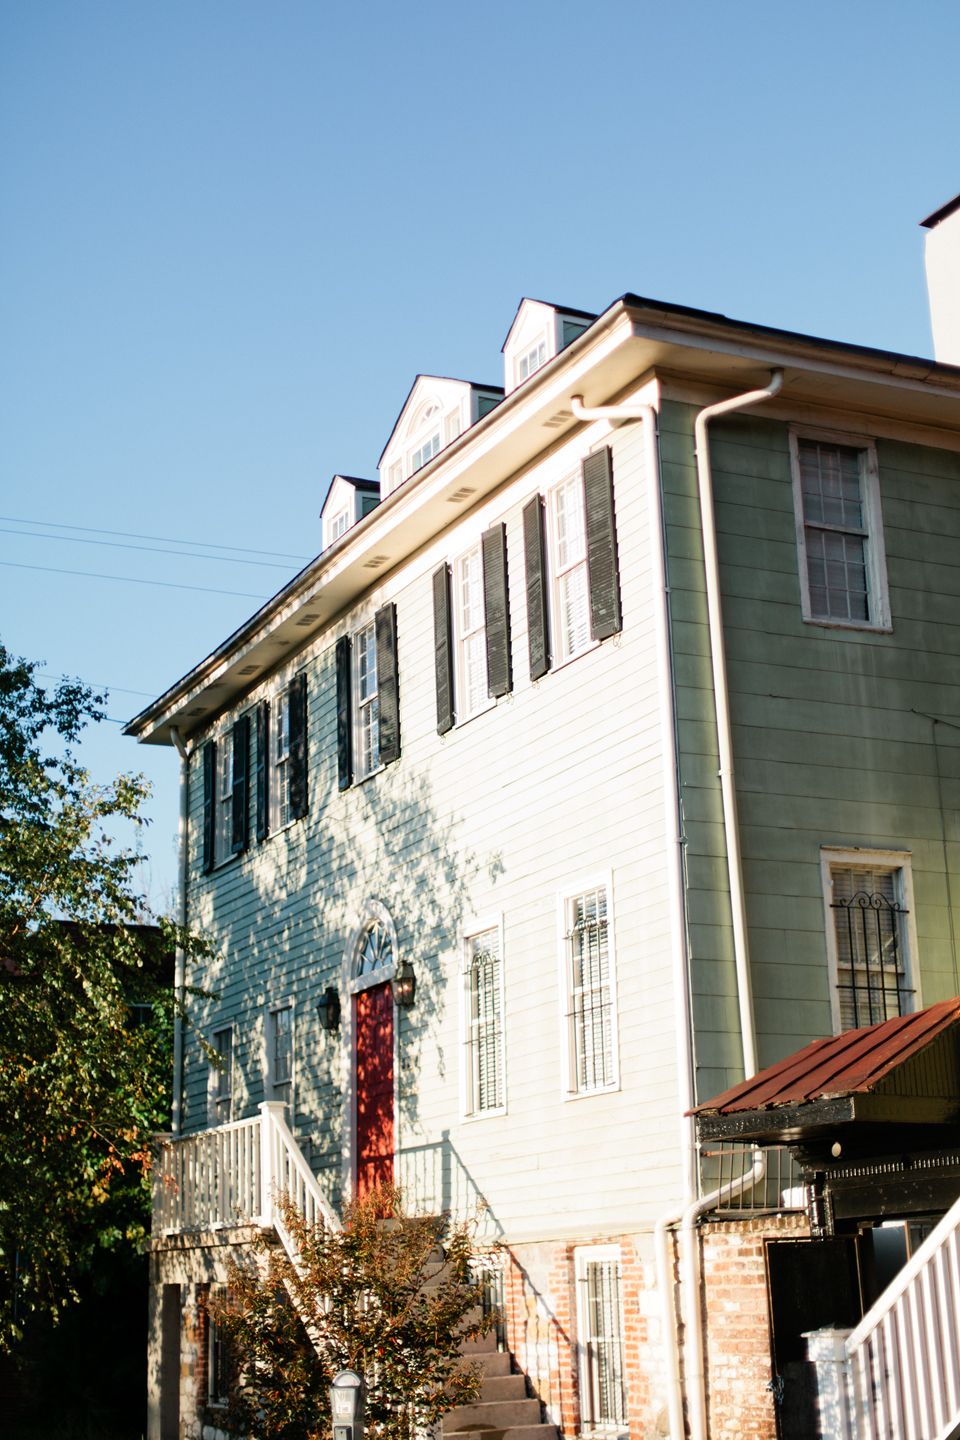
<point x="158" y="1196"/>
<point x="836" y="1400"/>
<point x="270" y="1177"/>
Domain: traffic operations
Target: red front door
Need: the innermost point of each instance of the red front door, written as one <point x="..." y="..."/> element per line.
<point x="373" y="1013"/>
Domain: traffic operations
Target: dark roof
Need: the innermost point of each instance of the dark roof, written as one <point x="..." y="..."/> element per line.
<point x="848" y="1064"/>
<point x="942" y="213"/>
<point x="360" y="484"/>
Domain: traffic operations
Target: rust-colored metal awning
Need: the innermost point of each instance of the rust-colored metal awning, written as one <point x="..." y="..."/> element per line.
<point x="904" y="1071"/>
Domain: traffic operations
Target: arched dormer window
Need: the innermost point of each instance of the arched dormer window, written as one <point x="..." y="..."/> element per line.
<point x="427" y="418"/>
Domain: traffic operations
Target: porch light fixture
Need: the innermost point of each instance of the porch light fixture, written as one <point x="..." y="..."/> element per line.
<point x="328" y="1009"/>
<point x="347" y="1404"/>
<point x="404" y="985"/>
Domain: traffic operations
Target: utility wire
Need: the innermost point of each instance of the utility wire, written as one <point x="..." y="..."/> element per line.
<point x="148" y="549"/>
<point x="162" y="539"/>
<point x="133" y="580"/>
<point x="120" y="689"/>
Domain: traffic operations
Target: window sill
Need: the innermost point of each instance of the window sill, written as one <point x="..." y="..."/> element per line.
<point x="848" y="625"/>
<point x="590" y="1094"/>
<point x="362" y="779"/>
<point x="475" y="715"/>
<point x="484" y="1115"/>
<point x="587" y="650"/>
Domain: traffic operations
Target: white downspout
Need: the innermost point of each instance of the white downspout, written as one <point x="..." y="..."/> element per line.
<point x="179" y="975"/>
<point x="678" y="934"/>
<point x="721" y="693"/>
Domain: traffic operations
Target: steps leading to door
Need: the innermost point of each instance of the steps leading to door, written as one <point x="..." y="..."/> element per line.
<point x="503" y="1411"/>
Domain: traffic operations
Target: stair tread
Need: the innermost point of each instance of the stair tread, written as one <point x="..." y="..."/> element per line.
<point x="492" y="1415"/>
<point x="512" y="1432"/>
<point x="503" y="1387"/>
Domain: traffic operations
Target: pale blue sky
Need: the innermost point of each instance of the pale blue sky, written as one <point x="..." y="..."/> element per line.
<point x="232" y="232"/>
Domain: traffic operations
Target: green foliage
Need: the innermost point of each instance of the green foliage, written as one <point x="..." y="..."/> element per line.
<point x="393" y="1299"/>
<point x="83" y="1086"/>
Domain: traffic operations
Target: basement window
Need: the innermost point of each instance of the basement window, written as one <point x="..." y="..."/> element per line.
<point x="603" y="1394"/>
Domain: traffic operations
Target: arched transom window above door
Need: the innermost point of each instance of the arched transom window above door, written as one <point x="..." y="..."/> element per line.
<point x="372" y="956"/>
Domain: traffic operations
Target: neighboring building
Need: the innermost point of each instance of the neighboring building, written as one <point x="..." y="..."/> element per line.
<point x="461" y="817"/>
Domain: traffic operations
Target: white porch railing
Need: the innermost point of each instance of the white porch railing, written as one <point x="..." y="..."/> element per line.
<point x="233" y="1174"/>
<point x="902" y="1375"/>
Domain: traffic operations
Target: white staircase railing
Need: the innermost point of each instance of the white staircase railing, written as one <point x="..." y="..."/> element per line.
<point x="235" y="1173"/>
<point x="902" y="1375"/>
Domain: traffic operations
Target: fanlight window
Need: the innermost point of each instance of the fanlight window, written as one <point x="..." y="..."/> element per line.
<point x="375" y="951"/>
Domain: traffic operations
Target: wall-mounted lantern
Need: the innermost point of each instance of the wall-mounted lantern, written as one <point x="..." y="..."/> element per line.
<point x="328" y="1010"/>
<point x="347" y="1404"/>
<point x="404" y="985"/>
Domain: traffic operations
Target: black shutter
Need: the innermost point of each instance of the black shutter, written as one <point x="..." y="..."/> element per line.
<point x="443" y="648"/>
<point x="298" y="746"/>
<point x="601" y="545"/>
<point x="538" y="636"/>
<point x="388" y="695"/>
<point x="497" y="610"/>
<point x="263" y="770"/>
<point x="209" y="792"/>
<point x="344" y="726"/>
<point x="240" y="793"/>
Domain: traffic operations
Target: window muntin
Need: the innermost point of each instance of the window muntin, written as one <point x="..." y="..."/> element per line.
<point x="366" y="709"/>
<point x="339" y="525"/>
<point x="472" y="693"/>
<point x="839" y="531"/>
<point x="533" y="360"/>
<point x="571" y="587"/>
<point x="483" y="1039"/>
<point x="375" y="950"/>
<point x="603" y="1398"/>
<point x="281" y="1055"/>
<point x="221" y="1100"/>
<point x="872" y="947"/>
<point x="426" y="452"/>
<point x="280" y="763"/>
<point x="589" y="983"/>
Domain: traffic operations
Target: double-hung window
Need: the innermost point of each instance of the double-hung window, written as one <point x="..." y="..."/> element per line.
<point x="368" y="699"/>
<point x="218" y="1359"/>
<point x="280" y="1056"/>
<point x="221" y="1077"/>
<point x="471" y="622"/>
<point x="226" y="794"/>
<point x="588" y="959"/>
<point x="339" y="525"/>
<point x="425" y="453"/>
<point x="367" y="742"/>
<point x="871" y="936"/>
<point x="603" y="1398"/>
<point x="224" y="822"/>
<point x="484" y="1090"/>
<point x="532" y="361"/>
<point x="839" y="532"/>
<point x="280" y="763"/>
<point x="569" y="536"/>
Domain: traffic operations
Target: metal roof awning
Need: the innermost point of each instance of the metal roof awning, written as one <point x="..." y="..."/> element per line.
<point x="888" y="1085"/>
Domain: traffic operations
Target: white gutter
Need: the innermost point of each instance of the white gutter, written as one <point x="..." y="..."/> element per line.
<point x="179" y="976"/>
<point x="721" y="693"/>
<point x="678" y="931"/>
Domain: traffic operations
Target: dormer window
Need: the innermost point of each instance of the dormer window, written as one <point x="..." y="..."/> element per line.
<point x="532" y="361"/>
<point x="339" y="524"/>
<point x="427" y="450"/>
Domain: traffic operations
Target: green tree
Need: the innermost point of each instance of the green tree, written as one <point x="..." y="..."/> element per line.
<point x="394" y="1299"/>
<point x="83" y="1086"/>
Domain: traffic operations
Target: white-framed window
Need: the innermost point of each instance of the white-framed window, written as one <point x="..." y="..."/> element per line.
<point x="871" y="935"/>
<point x="395" y="477"/>
<point x="280" y="1055"/>
<point x="603" y="1391"/>
<point x="484" y="1079"/>
<point x="279" y="743"/>
<point x="451" y="426"/>
<point x="339" y="525"/>
<point x="223" y="823"/>
<point x="531" y="361"/>
<point x="425" y="452"/>
<point x="568" y="568"/>
<point x="471" y="632"/>
<point x="585" y="917"/>
<point x="366" y="743"/>
<point x="836" y="490"/>
<point x="221" y="1077"/>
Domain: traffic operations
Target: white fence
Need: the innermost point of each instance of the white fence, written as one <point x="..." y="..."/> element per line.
<point x="901" y="1374"/>
<point x="234" y="1174"/>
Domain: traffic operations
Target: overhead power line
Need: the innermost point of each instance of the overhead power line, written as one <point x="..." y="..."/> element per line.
<point x="146" y="549"/>
<point x="133" y="580"/>
<point x="119" y="689"/>
<point x="161" y="539"/>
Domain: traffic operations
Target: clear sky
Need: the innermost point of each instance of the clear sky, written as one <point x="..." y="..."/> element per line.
<point x="231" y="232"/>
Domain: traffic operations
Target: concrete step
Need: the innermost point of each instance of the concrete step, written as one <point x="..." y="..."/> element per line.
<point x="483" y="1345"/>
<point x="498" y="1415"/>
<point x="496" y="1363"/>
<point x="503" y="1387"/>
<point x="514" y="1432"/>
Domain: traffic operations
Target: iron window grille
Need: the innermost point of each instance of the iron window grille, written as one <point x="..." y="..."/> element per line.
<point x="485" y="1023"/>
<point x="492" y="1302"/>
<point x="218" y="1363"/>
<point x="725" y="1163"/>
<point x="603" y="1390"/>
<point x="591" y="1001"/>
<point x="871" y="965"/>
